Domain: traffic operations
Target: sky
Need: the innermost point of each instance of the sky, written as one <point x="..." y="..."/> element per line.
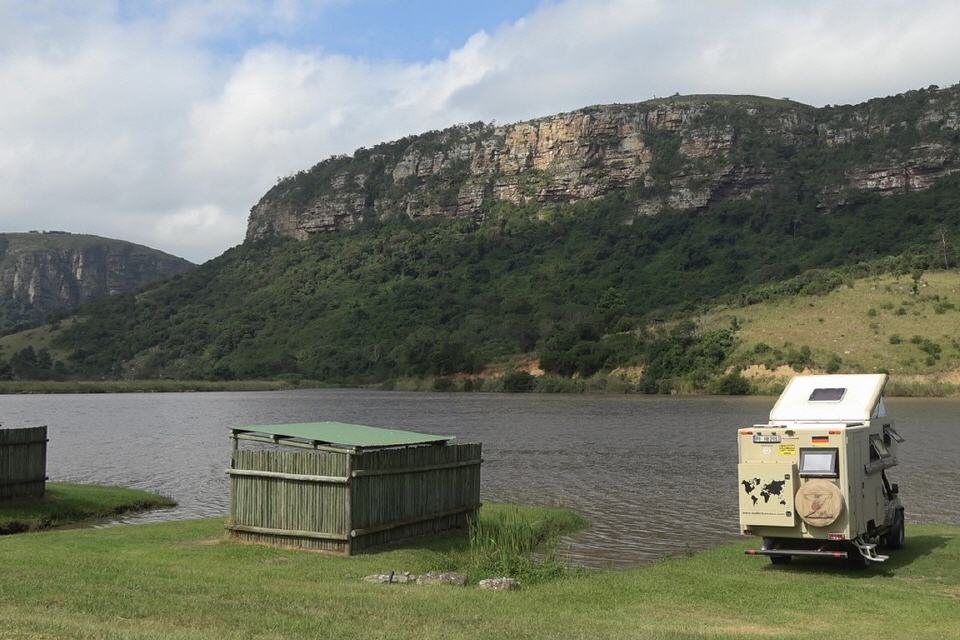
<point x="163" y="122"/>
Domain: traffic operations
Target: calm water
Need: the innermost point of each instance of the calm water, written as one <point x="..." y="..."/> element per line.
<point x="654" y="475"/>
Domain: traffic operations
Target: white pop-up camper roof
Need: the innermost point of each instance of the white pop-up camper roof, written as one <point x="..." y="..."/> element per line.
<point x="837" y="398"/>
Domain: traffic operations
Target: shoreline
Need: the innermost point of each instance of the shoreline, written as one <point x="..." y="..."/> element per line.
<point x="71" y="505"/>
<point x="899" y="386"/>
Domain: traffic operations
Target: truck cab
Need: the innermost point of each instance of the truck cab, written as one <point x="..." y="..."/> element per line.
<point x="813" y="480"/>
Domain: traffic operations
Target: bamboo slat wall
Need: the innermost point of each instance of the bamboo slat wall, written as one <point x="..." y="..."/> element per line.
<point x="346" y="502"/>
<point x="23" y="462"/>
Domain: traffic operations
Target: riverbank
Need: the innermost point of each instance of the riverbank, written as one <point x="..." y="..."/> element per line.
<point x="906" y="386"/>
<point x="151" y="386"/>
<point x="65" y="504"/>
<point x="184" y="580"/>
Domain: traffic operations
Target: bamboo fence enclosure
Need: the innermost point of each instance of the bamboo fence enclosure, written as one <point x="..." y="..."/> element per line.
<point x="23" y="462"/>
<point x="350" y="487"/>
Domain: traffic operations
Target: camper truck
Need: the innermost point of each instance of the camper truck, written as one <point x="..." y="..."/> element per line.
<point x="813" y="480"/>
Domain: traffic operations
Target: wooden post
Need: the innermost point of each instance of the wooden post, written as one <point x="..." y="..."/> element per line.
<point x="349" y="503"/>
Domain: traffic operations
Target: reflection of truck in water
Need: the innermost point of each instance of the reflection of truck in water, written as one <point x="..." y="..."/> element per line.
<point x="813" y="480"/>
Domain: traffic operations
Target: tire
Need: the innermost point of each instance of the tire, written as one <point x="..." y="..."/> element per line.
<point x="771" y="543"/>
<point x="895" y="538"/>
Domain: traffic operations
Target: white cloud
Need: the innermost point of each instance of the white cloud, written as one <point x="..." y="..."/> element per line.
<point x="141" y="127"/>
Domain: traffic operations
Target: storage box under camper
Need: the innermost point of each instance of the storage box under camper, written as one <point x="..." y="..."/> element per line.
<point x="813" y="480"/>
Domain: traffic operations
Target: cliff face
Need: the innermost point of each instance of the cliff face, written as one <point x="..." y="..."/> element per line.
<point x="670" y="154"/>
<point x="42" y="273"/>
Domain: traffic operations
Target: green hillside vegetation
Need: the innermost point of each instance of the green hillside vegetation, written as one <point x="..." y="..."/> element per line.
<point x="898" y="324"/>
<point x="582" y="288"/>
<point x="572" y="285"/>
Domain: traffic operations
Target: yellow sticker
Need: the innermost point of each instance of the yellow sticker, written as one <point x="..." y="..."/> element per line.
<point x="787" y="450"/>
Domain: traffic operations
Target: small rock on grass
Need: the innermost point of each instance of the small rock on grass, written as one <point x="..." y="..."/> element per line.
<point x="391" y="578"/>
<point x="500" y="584"/>
<point x="443" y="577"/>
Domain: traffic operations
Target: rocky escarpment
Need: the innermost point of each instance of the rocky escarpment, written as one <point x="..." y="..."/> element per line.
<point x="43" y="273"/>
<point x="669" y="154"/>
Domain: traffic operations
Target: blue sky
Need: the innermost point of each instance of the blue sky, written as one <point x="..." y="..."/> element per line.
<point x="164" y="121"/>
<point x="392" y="29"/>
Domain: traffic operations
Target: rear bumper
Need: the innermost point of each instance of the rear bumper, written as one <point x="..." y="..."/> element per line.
<point x="837" y="555"/>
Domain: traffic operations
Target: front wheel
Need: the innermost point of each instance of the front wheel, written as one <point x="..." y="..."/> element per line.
<point x="896" y="536"/>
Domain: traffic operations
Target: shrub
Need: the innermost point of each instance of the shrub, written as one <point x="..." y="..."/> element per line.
<point x="732" y="384"/>
<point x="872" y="312"/>
<point x="519" y="382"/>
<point x="895" y="339"/>
<point x="833" y="363"/>
<point x="442" y="384"/>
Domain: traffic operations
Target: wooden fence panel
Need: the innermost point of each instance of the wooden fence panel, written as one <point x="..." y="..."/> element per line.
<point x="344" y="501"/>
<point x="415" y="491"/>
<point x="290" y="498"/>
<point x="23" y="462"/>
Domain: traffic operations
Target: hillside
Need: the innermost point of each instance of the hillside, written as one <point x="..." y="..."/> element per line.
<point x="906" y="326"/>
<point x="629" y="218"/>
<point x="47" y="273"/>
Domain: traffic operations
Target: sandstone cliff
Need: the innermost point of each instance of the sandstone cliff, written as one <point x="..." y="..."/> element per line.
<point x="668" y="154"/>
<point x="43" y="273"/>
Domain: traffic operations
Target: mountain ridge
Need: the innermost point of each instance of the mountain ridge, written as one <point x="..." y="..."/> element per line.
<point x="50" y="272"/>
<point x="677" y="153"/>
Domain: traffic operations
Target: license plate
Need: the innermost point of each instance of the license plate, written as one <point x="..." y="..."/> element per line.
<point x="765" y="439"/>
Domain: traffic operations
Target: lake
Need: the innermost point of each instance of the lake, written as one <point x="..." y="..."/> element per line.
<point x="655" y="475"/>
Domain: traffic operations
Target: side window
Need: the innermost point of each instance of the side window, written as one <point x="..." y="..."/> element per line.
<point x="878" y="450"/>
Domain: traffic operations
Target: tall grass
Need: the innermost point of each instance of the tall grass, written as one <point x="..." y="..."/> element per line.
<point x="505" y="541"/>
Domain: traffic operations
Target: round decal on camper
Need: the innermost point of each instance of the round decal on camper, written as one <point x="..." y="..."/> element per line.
<point x="819" y="503"/>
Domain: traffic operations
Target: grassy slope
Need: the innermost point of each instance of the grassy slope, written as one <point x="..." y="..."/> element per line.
<point x="70" y="503"/>
<point x="181" y="580"/>
<point x="40" y="337"/>
<point x="840" y="322"/>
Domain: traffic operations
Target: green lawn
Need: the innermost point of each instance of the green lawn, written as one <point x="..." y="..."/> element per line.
<point x="70" y="503"/>
<point x="183" y="580"/>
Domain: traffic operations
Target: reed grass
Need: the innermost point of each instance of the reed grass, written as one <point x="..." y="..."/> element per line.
<point x="506" y="540"/>
<point x="150" y="386"/>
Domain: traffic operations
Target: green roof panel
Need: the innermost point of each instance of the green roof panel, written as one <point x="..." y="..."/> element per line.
<point x="348" y="435"/>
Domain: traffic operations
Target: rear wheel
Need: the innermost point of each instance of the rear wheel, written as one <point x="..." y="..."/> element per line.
<point x="771" y="544"/>
<point x="895" y="537"/>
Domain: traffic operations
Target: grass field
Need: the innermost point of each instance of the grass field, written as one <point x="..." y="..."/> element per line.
<point x="182" y="580"/>
<point x="71" y="503"/>
<point x="870" y="326"/>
